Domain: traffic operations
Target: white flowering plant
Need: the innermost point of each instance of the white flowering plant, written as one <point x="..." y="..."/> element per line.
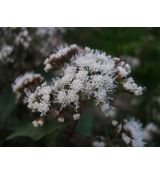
<point x="86" y="77"/>
<point x="78" y="96"/>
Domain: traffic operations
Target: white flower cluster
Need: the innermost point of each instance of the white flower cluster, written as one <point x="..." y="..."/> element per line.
<point x="62" y="53"/>
<point x="23" y="38"/>
<point x="131" y="132"/>
<point x="123" y="70"/>
<point x="136" y="131"/>
<point x="39" y="101"/>
<point x="5" y="52"/>
<point x="132" y="87"/>
<point x="88" y="76"/>
<point x="21" y="83"/>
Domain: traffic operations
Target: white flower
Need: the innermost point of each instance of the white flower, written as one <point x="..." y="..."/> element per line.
<point x="132" y="87"/>
<point x="82" y="75"/>
<point x="69" y="74"/>
<point x="39" y="101"/>
<point x="133" y="129"/>
<point x="100" y="95"/>
<point x="61" y="54"/>
<point x="77" y="85"/>
<point x="85" y="75"/>
<point x="123" y="69"/>
<point x="89" y="75"/>
<point x="126" y="139"/>
<point x="25" y="79"/>
<point x="73" y="97"/>
<point x="65" y="98"/>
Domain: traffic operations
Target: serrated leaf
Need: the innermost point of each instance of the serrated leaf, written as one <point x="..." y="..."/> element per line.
<point x="36" y="133"/>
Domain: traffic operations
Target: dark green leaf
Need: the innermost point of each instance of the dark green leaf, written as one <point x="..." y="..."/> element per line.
<point x="36" y="133"/>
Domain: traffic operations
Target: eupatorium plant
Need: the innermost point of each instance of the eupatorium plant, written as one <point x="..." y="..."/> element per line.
<point x="79" y="77"/>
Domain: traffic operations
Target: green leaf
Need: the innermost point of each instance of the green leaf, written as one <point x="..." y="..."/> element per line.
<point x="36" y="133"/>
<point x="84" y="126"/>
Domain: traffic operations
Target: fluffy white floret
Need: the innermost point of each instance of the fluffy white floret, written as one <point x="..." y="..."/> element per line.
<point x="132" y="87"/>
<point x="133" y="133"/>
<point x="123" y="69"/>
<point x="39" y="101"/>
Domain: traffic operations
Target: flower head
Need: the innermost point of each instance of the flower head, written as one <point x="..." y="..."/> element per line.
<point x="23" y="82"/>
<point x="39" y="101"/>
